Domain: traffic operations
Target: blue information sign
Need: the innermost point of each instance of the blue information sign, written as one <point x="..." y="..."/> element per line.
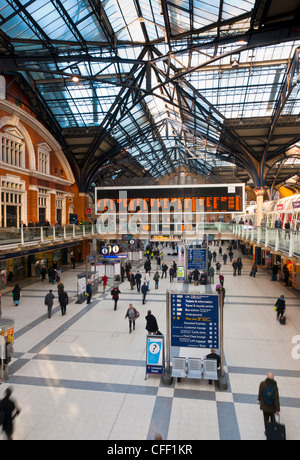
<point x="197" y="258"/>
<point x="195" y="320"/>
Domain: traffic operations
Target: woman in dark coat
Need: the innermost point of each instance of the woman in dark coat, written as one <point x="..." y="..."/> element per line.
<point x="151" y="324"/>
<point x="16" y="294"/>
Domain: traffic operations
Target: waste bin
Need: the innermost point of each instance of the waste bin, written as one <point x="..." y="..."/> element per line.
<point x="7" y="329"/>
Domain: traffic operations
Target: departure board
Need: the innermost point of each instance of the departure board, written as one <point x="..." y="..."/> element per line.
<point x="189" y="199"/>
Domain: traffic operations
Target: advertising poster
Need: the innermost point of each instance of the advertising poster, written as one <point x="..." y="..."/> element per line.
<point x="155" y="354"/>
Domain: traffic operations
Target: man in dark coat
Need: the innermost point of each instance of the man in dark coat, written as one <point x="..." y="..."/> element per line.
<point x="268" y="397"/>
<point x="138" y="278"/>
<point x="49" y="302"/>
<point x="10" y="412"/>
<point x="63" y="301"/>
<point x="151" y="324"/>
<point x="144" y="291"/>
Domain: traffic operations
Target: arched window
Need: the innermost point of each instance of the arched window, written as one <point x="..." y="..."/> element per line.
<point x="12" y="148"/>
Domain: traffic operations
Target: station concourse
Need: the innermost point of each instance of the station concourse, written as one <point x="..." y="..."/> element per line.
<point x="87" y="368"/>
<point x="129" y="122"/>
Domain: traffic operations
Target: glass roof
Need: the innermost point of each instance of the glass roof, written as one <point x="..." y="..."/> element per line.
<point x="161" y="77"/>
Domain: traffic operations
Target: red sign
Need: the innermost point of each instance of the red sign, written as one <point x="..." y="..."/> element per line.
<point x="88" y="211"/>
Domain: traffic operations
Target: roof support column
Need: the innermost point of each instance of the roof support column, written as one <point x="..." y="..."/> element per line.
<point x="259" y="192"/>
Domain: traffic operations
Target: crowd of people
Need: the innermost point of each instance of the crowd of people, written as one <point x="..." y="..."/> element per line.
<point x="155" y="269"/>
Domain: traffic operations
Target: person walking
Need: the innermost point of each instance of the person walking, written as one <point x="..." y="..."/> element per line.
<point x="211" y="274"/>
<point x="63" y="301"/>
<point x="156" y="279"/>
<point x="221" y="278"/>
<point x="43" y="273"/>
<point x="60" y="287"/>
<point x="147" y="279"/>
<point x="286" y="274"/>
<point x="196" y="275"/>
<point x="234" y="266"/>
<point x="144" y="291"/>
<point x="16" y="294"/>
<point x="280" y="306"/>
<point x="104" y="282"/>
<point x="171" y="273"/>
<point x="239" y="266"/>
<point x="115" y="295"/>
<point x="151" y="323"/>
<point x="131" y="279"/>
<point x="268" y="398"/>
<point x="132" y="314"/>
<point x="11" y="411"/>
<point x="253" y="270"/>
<point x="89" y="292"/>
<point x="164" y="270"/>
<point x="138" y="280"/>
<point x="274" y="273"/>
<point x="0" y="305"/>
<point x="49" y="302"/>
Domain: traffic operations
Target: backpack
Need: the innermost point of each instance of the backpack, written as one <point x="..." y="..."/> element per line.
<point x="268" y="395"/>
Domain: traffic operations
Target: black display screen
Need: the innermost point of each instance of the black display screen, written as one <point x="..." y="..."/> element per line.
<point x="227" y="198"/>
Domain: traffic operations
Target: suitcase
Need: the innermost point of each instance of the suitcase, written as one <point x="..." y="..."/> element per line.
<point x="275" y="431"/>
<point x="282" y="319"/>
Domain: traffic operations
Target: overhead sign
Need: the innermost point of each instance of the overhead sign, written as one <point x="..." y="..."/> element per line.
<point x="197" y="258"/>
<point x="194" y="320"/>
<point x="155" y="354"/>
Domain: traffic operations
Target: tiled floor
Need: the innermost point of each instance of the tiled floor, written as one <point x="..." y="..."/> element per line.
<point x="82" y="376"/>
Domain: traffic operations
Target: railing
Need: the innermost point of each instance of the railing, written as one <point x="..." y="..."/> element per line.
<point x="287" y="241"/>
<point x="34" y="235"/>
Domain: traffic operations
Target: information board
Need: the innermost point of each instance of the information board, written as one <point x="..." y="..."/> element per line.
<point x="155" y="354"/>
<point x="194" y="320"/>
<point x="189" y="198"/>
<point x="197" y="258"/>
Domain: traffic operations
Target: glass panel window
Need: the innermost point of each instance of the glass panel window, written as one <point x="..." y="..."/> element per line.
<point x="44" y="158"/>
<point x="12" y="148"/>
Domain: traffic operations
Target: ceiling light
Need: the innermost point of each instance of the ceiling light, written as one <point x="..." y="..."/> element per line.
<point x="234" y="64"/>
<point x="75" y="79"/>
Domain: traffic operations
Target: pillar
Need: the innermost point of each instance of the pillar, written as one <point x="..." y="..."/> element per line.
<point x="259" y="192"/>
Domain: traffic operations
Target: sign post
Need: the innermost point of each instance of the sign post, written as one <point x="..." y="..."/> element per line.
<point x="194" y="320"/>
<point x="197" y="258"/>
